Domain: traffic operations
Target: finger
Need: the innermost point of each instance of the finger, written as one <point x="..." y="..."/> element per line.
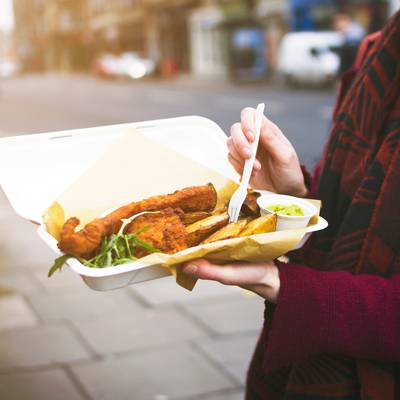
<point x="248" y="116"/>
<point x="236" y="164"/>
<point x="230" y="274"/>
<point x="257" y="165"/>
<point x="275" y="142"/>
<point x="256" y="168"/>
<point x="269" y="130"/>
<point x="235" y="159"/>
<point x="248" y="122"/>
<point x="272" y="129"/>
<point x="240" y="141"/>
<point x="233" y="152"/>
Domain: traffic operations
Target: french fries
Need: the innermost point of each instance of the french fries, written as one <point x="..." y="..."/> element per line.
<point x="192" y="217"/>
<point x="216" y="227"/>
<point x="229" y="231"/>
<point x="264" y="224"/>
<point x="198" y="231"/>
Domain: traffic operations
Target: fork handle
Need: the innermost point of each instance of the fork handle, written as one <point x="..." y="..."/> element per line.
<point x="249" y="163"/>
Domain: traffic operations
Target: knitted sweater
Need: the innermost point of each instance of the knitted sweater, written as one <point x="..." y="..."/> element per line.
<point x="335" y="332"/>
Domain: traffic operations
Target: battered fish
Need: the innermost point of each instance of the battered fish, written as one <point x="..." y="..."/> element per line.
<point x="86" y="242"/>
<point x="164" y="230"/>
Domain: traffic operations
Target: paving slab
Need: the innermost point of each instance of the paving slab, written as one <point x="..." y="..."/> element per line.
<point x="40" y="346"/>
<point x="43" y="385"/>
<point x="33" y="257"/>
<point x="21" y="282"/>
<point x="64" y="280"/>
<point x="166" y="291"/>
<point x="21" y="248"/>
<point x="229" y="315"/>
<point x="20" y="245"/>
<point x="83" y="304"/>
<point x="233" y="354"/>
<point x="168" y="373"/>
<point x="15" y="313"/>
<point x="138" y="330"/>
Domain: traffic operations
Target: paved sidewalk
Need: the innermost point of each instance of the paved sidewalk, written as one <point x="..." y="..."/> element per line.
<point x="153" y="341"/>
<point x="61" y="340"/>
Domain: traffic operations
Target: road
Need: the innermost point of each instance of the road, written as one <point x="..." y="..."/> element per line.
<point x="34" y="104"/>
<point x="151" y="341"/>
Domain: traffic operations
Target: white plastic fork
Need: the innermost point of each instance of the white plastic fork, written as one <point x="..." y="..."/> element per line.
<point x="238" y="198"/>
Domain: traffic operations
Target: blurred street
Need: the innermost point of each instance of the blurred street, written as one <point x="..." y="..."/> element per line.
<point x="40" y="103"/>
<point x="151" y="341"/>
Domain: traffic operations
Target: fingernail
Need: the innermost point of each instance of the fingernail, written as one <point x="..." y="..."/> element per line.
<point x="247" y="152"/>
<point x="190" y="269"/>
<point x="251" y="136"/>
<point x="257" y="165"/>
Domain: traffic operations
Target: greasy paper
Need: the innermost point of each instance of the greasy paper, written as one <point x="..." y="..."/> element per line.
<point x="135" y="168"/>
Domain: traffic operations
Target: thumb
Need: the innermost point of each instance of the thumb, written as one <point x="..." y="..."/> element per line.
<point x="274" y="142"/>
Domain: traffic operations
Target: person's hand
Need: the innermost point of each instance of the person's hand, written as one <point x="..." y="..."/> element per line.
<point x="260" y="278"/>
<point x="277" y="166"/>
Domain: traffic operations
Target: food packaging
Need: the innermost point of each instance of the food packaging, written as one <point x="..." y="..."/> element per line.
<point x="89" y="171"/>
<point x="285" y="222"/>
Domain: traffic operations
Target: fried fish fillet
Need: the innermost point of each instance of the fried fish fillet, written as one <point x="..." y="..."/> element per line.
<point x="86" y="242"/>
<point x="163" y="230"/>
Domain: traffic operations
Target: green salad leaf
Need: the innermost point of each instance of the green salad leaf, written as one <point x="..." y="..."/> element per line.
<point x="116" y="249"/>
<point x="58" y="264"/>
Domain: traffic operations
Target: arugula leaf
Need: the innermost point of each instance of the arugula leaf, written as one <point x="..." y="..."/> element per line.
<point x="115" y="249"/>
<point x="146" y="245"/>
<point x="58" y="264"/>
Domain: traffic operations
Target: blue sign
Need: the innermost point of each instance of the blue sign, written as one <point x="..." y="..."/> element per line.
<point x="301" y="13"/>
<point x="249" y="53"/>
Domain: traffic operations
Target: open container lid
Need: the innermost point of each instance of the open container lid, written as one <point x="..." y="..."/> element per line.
<point x="36" y="169"/>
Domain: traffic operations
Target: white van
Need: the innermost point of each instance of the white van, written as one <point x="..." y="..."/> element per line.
<point x="308" y="57"/>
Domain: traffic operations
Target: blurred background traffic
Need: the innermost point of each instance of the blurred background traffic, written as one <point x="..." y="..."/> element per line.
<point x="240" y="40"/>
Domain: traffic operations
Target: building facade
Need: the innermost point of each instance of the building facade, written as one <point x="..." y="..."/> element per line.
<point x="29" y="33"/>
<point x="52" y="34"/>
<point x="178" y="35"/>
<point x="207" y="38"/>
<point x="168" y="33"/>
<point x="117" y="25"/>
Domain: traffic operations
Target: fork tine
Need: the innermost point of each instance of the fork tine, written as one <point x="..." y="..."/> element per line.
<point x="240" y="193"/>
<point x="232" y="214"/>
<point x="236" y="214"/>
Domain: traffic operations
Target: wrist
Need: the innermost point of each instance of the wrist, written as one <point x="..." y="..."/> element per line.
<point x="271" y="284"/>
<point x="268" y="286"/>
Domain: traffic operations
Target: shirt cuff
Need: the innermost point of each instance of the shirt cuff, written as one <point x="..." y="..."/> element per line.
<point x="299" y="328"/>
<point x="333" y="312"/>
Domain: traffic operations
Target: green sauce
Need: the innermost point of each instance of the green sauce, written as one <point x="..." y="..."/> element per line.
<point x="286" y="209"/>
